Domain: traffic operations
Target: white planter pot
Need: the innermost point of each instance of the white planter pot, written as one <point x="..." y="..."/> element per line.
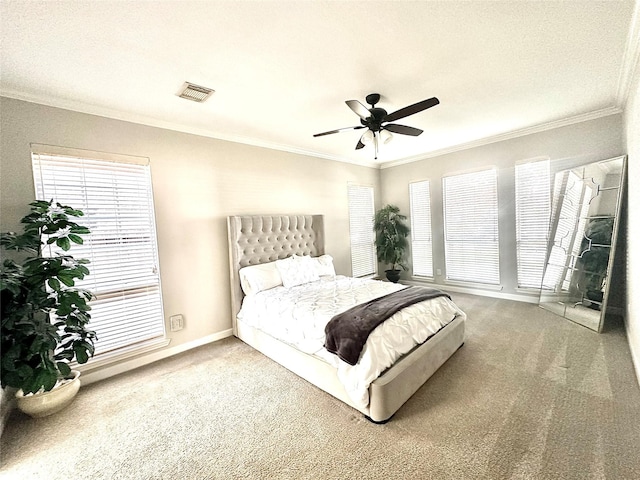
<point x="43" y="404"/>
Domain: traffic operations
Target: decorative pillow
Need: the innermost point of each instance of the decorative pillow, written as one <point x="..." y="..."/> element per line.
<point x="297" y="270"/>
<point x="257" y="278"/>
<point x="324" y="265"/>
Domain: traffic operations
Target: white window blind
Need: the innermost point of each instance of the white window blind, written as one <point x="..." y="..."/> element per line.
<point x="421" y="241"/>
<point x="361" y="212"/>
<point x="117" y="201"/>
<point x="576" y="248"/>
<point x="533" y="210"/>
<point x="568" y="191"/>
<point x="471" y="227"/>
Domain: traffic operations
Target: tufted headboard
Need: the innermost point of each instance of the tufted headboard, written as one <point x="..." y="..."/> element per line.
<point x="256" y="239"/>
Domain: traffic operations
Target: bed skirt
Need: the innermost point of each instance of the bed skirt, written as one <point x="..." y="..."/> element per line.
<point x="389" y="391"/>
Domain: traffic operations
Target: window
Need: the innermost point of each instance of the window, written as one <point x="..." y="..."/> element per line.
<point x="471" y="227"/>
<point x="533" y="210"/>
<point x="117" y="201"/>
<point x="421" y="244"/>
<point x="361" y="212"/>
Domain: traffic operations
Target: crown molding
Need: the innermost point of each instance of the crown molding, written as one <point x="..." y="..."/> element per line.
<point x="152" y="122"/>
<point x="583" y="117"/>
<point x="81" y="107"/>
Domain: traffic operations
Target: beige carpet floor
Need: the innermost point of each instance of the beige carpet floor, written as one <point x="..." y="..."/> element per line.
<point x="529" y="396"/>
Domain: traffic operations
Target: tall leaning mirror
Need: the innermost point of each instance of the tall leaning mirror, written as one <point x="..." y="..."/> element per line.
<point x="582" y="236"/>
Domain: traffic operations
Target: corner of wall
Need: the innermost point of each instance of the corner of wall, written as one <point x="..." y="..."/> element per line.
<point x="631" y="121"/>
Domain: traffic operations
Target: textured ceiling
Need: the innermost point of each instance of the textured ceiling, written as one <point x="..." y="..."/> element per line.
<point x="283" y="70"/>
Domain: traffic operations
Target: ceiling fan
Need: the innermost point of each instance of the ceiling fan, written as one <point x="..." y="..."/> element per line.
<point x="376" y="120"/>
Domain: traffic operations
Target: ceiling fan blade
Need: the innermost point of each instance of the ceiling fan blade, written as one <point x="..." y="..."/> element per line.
<point x="360" y="110"/>
<point x="403" y="129"/>
<point x="411" y="109"/>
<point x="360" y="144"/>
<point x="338" y="130"/>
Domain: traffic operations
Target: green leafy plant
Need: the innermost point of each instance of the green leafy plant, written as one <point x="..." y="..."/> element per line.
<point x="391" y="236"/>
<point x="44" y="316"/>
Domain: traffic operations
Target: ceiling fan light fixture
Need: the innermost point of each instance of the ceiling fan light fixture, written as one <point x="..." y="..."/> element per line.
<point x="385" y="136"/>
<point x="367" y="138"/>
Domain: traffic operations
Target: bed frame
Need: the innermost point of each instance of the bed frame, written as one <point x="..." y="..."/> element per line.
<point x="260" y="239"/>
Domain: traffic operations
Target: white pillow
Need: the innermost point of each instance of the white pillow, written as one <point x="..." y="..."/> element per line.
<point x="324" y="265"/>
<point x="257" y="278"/>
<point x="297" y="270"/>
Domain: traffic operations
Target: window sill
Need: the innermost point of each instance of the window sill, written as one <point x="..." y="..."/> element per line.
<point x="471" y="285"/>
<point x="417" y="278"/>
<point x="109" y="358"/>
<point x="528" y="291"/>
<point x="484" y="286"/>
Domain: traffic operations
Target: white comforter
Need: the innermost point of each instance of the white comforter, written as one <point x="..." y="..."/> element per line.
<point x="298" y="316"/>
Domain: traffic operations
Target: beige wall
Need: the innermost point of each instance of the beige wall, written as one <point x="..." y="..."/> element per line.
<point x="632" y="140"/>
<point x="567" y="147"/>
<point x="197" y="183"/>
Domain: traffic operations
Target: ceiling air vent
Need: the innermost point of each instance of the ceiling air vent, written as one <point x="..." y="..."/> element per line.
<point x="194" y="92"/>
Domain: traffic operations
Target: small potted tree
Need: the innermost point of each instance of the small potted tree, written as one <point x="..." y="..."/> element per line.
<point x="596" y="248"/>
<point x="391" y="240"/>
<point x="44" y="317"/>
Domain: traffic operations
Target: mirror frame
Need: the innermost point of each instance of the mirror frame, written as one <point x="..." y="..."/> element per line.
<point x="563" y="305"/>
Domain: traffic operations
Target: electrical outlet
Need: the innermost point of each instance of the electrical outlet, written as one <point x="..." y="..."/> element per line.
<point x="176" y="322"/>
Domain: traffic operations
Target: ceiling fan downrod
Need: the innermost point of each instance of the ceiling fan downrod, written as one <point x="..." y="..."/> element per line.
<point x="372" y="99"/>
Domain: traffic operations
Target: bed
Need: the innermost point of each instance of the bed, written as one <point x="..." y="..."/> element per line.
<point x="263" y="240"/>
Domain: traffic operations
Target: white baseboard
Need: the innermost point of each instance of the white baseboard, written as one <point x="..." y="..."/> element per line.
<point x="121" y="367"/>
<point x="635" y="352"/>
<point x="528" y="298"/>
<point x="635" y="359"/>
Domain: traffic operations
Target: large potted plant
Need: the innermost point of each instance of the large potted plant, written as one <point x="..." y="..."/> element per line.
<point x="391" y="239"/>
<point x="44" y="316"/>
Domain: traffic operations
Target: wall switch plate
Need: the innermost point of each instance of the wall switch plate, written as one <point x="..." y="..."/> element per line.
<point x="438" y="272"/>
<point x="176" y="322"/>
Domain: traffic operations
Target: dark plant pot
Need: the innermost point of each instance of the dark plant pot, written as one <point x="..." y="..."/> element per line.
<point x="393" y="275"/>
<point x="595" y="296"/>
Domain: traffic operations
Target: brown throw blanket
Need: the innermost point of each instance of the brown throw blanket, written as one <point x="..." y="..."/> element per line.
<point x="347" y="332"/>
